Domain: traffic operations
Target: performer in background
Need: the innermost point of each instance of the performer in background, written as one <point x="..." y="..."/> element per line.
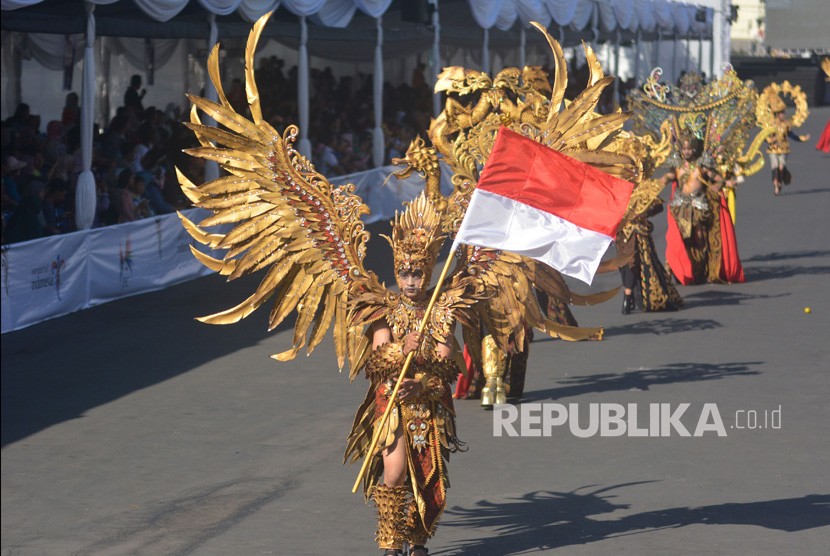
<point x="714" y="144"/>
<point x="645" y="281"/>
<point x="772" y="112"/>
<point x="700" y="240"/>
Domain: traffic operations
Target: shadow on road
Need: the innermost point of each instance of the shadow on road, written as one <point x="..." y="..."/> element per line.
<point x="805" y="191"/>
<point x="661" y="327"/>
<point x="719" y="298"/>
<point x="759" y="273"/>
<point x="49" y="376"/>
<point x="789" y="255"/>
<point x="643" y="379"/>
<point x="546" y="520"/>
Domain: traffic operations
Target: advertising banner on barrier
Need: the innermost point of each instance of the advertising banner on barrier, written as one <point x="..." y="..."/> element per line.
<point x="139" y="257"/>
<point x="43" y="278"/>
<point x="54" y="276"/>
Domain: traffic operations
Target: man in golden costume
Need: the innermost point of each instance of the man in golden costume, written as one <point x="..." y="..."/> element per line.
<point x="419" y="435"/>
<point x="772" y="112"/>
<point x="284" y="218"/>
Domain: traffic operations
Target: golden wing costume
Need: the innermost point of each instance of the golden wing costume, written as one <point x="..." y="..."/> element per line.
<point x="307" y="236"/>
<point x="462" y="136"/>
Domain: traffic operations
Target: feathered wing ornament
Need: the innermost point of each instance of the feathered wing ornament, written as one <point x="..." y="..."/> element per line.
<point x="463" y="135"/>
<point x="286" y="219"/>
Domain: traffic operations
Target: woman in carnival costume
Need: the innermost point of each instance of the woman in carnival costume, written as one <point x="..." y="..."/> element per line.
<point x="711" y="125"/>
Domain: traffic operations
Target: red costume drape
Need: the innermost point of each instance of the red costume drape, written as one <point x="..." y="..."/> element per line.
<point x="677" y="256"/>
<point x="731" y="269"/>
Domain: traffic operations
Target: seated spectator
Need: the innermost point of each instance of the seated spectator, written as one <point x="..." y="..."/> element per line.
<point x="154" y="193"/>
<point x="11" y="185"/>
<point x="71" y="114"/>
<point x="28" y="221"/>
<point x="132" y="205"/>
<point x="326" y="158"/>
<point x="105" y="212"/>
<point x="55" y="214"/>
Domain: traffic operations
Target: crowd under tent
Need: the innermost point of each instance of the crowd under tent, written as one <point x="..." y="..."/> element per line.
<point x="50" y="47"/>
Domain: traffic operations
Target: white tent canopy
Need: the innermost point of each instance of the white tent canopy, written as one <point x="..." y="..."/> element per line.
<point x="55" y="34"/>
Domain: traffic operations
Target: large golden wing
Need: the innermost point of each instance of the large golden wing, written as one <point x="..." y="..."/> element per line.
<point x="284" y="218"/>
<point x="463" y="135"/>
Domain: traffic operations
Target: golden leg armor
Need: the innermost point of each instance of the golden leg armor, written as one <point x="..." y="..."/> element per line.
<point x="417" y="535"/>
<point x="392" y="526"/>
<point x="494" y="366"/>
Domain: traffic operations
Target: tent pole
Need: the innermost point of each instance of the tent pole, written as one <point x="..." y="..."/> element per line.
<point x="211" y="167"/>
<point x="436" y="58"/>
<point x="302" y="90"/>
<point x="656" y="63"/>
<point x="674" y="59"/>
<point x="688" y="51"/>
<point x="378" y="148"/>
<point x="617" y="70"/>
<point x="485" y="52"/>
<point x="637" y="58"/>
<point x="522" y="47"/>
<point x="105" y="71"/>
<point x="85" y="188"/>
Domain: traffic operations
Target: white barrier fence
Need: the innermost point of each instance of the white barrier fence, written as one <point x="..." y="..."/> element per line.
<point x="54" y="276"/>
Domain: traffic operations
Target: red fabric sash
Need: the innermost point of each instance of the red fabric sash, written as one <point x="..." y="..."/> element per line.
<point x="731" y="269"/>
<point x="676" y="255"/>
<point x="463" y="384"/>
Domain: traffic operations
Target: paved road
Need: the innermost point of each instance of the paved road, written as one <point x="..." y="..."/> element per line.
<point x="132" y="429"/>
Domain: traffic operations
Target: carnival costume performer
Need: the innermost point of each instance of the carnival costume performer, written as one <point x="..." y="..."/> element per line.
<point x="711" y="126"/>
<point x="307" y="236"/>
<point x="771" y="112"/>
<point x="646" y="283"/>
<point x="700" y="240"/>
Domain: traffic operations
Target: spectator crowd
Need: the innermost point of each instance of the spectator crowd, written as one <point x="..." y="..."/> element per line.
<point x="135" y="153"/>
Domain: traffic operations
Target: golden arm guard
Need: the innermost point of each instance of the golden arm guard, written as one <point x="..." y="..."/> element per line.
<point x="385" y="362"/>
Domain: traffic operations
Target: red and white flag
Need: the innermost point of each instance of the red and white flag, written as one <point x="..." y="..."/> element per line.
<point x="540" y="203"/>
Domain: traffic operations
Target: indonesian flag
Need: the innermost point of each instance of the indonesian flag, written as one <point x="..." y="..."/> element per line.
<point x="540" y="203"/>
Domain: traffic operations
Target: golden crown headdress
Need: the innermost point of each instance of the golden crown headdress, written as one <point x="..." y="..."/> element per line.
<point x="770" y="103"/>
<point x="416" y="239"/>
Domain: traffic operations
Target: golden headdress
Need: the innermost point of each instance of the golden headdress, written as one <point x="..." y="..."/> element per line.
<point x="770" y="103"/>
<point x="416" y="238"/>
<point x="720" y="113"/>
<point x="776" y="104"/>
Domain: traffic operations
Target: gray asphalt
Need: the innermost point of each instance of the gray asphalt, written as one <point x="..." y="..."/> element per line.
<point x="131" y="429"/>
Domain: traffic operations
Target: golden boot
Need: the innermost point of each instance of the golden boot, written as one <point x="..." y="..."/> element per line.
<point x="417" y="535"/>
<point x="392" y="526"/>
<point x="494" y="366"/>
